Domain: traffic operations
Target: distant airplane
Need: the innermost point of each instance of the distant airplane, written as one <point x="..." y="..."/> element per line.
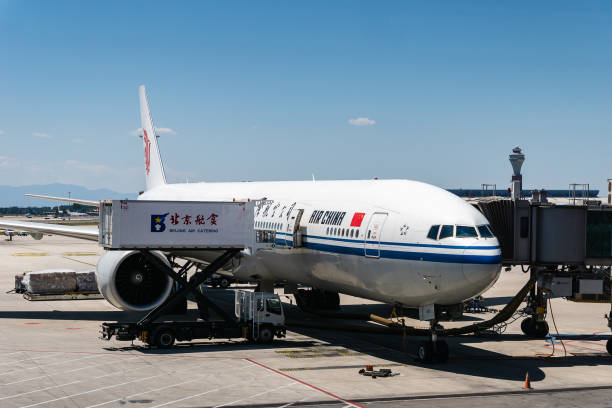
<point x="400" y="242"/>
<point x="11" y="234"/>
<point x="77" y="214"/>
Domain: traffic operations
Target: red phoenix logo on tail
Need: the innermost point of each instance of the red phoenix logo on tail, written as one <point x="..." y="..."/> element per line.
<point x="147" y="151"/>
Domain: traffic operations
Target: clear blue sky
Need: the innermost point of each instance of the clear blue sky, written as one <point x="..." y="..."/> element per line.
<point x="267" y="90"/>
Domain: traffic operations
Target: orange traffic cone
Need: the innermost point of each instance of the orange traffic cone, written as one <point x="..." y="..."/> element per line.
<point x="527" y="385"/>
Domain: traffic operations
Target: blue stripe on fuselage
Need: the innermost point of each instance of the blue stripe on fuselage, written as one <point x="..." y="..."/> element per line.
<point x="406" y="244"/>
<point x="391" y="254"/>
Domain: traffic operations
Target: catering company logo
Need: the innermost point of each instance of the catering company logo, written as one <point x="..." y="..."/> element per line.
<point x="158" y="222"/>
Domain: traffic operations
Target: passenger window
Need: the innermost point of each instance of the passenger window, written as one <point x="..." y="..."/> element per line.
<point x="464" y="231"/>
<point x="446" y="231"/>
<point x="433" y="232"/>
<point x="356" y="233"/>
<point x="369" y="232"/>
<point x="273" y="306"/>
<point x="327" y="231"/>
<point x="335" y="231"/>
<point x="352" y="233"/>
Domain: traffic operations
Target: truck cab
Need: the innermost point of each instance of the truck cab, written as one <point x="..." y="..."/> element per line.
<point x="261" y="314"/>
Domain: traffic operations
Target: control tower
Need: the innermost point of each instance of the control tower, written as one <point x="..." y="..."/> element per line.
<point x="517" y="158"/>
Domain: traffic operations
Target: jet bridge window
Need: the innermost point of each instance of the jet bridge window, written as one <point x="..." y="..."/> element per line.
<point x="433" y="232"/>
<point x="484" y="231"/>
<point x="464" y="231"/>
<point x="446" y="231"/>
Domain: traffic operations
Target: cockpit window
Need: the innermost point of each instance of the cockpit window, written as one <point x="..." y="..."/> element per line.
<point x="485" y="231"/>
<point x="464" y="231"/>
<point x="446" y="231"/>
<point x="433" y="232"/>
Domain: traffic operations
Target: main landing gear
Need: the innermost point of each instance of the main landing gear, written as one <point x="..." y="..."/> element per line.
<point x="317" y="299"/>
<point x="433" y="350"/>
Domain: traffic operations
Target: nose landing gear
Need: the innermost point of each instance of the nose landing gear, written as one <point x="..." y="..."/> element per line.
<point x="433" y="350"/>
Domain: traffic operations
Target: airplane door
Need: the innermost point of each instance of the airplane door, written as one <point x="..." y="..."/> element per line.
<point x="293" y="239"/>
<point x="372" y="235"/>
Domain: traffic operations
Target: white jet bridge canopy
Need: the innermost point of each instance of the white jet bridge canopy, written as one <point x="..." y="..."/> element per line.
<point x="140" y="224"/>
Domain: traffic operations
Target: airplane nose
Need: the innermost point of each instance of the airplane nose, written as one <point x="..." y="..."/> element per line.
<point x="483" y="266"/>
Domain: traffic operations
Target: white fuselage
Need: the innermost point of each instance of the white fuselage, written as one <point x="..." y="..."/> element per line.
<point x="384" y="255"/>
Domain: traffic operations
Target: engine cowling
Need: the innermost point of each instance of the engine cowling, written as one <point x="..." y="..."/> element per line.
<point x="129" y="282"/>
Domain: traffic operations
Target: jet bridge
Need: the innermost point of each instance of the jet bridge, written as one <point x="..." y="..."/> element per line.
<point x="567" y="249"/>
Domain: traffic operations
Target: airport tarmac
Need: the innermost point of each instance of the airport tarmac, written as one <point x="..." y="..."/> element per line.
<point x="52" y="356"/>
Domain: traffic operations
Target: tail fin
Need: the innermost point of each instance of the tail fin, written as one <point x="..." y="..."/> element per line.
<point x="153" y="163"/>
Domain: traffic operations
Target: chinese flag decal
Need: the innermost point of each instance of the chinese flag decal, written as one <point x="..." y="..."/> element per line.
<point x="147" y="151"/>
<point x="357" y="219"/>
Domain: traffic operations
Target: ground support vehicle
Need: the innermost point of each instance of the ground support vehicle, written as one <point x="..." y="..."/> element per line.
<point x="258" y="316"/>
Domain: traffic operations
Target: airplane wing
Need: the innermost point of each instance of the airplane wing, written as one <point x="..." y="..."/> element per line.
<point x="65" y="230"/>
<point x="68" y="200"/>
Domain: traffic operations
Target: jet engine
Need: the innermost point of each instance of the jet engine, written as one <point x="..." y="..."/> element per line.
<point x="129" y="282"/>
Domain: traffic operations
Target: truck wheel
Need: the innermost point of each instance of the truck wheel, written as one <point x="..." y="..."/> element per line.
<point x="266" y="335"/>
<point x="224" y="283"/>
<point x="165" y="338"/>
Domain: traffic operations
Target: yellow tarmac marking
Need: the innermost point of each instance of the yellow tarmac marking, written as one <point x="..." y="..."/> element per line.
<point x="31" y="254"/>
<point x="28" y="247"/>
<point x="76" y="260"/>
<point x="79" y="254"/>
<point x="318" y="352"/>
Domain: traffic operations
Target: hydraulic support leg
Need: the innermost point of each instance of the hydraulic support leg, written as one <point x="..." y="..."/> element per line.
<point x="187" y="286"/>
<point x="535" y="325"/>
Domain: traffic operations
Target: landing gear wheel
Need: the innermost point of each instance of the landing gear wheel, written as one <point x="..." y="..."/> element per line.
<point x="164" y="338"/>
<point x="526" y="326"/>
<point x="224" y="283"/>
<point x="541" y="330"/>
<point x="535" y="329"/>
<point x="266" y="335"/>
<point x="441" y="353"/>
<point x="609" y="346"/>
<point x="425" y="351"/>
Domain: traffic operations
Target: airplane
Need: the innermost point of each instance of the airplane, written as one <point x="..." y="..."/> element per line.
<point x="401" y="242"/>
<point x="11" y="233"/>
<point x="77" y="214"/>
